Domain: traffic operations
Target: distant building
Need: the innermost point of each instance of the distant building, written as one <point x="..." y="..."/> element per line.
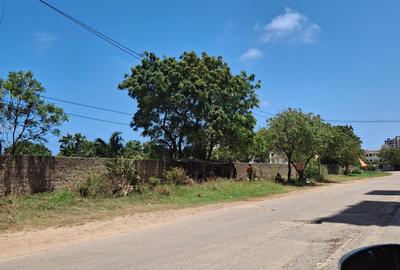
<point x="372" y="156"/>
<point x="393" y="143"/>
<point x="276" y="158"/>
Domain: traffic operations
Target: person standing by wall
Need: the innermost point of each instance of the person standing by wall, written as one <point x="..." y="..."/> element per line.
<point x="249" y="171"/>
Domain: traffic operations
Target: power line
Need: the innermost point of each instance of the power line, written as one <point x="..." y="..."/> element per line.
<point x="86" y="105"/>
<point x="364" y="121"/>
<point x="104" y="37"/>
<point x="96" y="119"/>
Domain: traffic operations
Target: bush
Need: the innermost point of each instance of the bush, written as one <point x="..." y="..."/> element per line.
<point x="96" y="186"/>
<point x="153" y="181"/>
<point x="311" y="172"/>
<point x="356" y="171"/>
<point x="177" y="176"/>
<point x="124" y="170"/>
<point x="123" y="175"/>
<point x="372" y="168"/>
<point x="62" y="197"/>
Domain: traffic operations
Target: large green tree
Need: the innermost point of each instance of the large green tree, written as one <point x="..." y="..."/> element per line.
<point x="24" y="114"/>
<point x="299" y="136"/>
<point x="253" y="148"/>
<point x="344" y="148"/>
<point x="193" y="104"/>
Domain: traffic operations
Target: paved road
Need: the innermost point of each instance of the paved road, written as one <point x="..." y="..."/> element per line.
<point x="308" y="230"/>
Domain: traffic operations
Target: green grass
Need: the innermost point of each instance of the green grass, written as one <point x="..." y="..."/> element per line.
<point x="349" y="177"/>
<point x="62" y="208"/>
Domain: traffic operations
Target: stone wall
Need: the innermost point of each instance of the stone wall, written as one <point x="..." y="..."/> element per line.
<point x="27" y="174"/>
<point x="263" y="170"/>
<point x="21" y="175"/>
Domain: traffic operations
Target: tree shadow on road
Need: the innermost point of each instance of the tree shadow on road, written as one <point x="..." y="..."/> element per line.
<point x="366" y="213"/>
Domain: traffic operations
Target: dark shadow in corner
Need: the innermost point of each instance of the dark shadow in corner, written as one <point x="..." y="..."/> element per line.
<point x="366" y="213"/>
<point x="384" y="192"/>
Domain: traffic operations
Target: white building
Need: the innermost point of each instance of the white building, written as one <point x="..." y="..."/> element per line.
<point x="275" y="158"/>
<point x="372" y="156"/>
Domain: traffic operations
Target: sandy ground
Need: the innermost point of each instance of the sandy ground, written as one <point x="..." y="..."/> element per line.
<point x="23" y="243"/>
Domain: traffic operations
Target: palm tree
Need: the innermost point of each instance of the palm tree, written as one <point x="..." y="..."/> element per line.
<point x="115" y="145"/>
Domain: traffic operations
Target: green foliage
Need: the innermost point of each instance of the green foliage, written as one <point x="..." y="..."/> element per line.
<point x="115" y="145"/>
<point x="311" y="172"/>
<point x="24" y="114"/>
<point x="100" y="148"/>
<point x="29" y="148"/>
<point x="189" y="106"/>
<point x="373" y="168"/>
<point x="356" y="171"/>
<point x="177" y="176"/>
<point x="153" y="181"/>
<point x="256" y="150"/>
<point x="344" y="148"/>
<point x="124" y="170"/>
<point x="390" y="155"/>
<point x="299" y="136"/>
<point x="96" y="186"/>
<point x="76" y="146"/>
<point x="133" y="150"/>
<point x="62" y="197"/>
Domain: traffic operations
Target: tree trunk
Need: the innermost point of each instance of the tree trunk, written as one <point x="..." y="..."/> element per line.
<point x="346" y="169"/>
<point x="289" y="170"/>
<point x="301" y="175"/>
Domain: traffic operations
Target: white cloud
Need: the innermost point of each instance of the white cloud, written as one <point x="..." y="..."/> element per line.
<point x="44" y="40"/>
<point x="251" y="54"/>
<point x="292" y="27"/>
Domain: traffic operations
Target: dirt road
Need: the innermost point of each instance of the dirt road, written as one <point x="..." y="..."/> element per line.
<point x="306" y="230"/>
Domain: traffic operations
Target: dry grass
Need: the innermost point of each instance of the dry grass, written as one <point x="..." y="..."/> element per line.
<point x="63" y="208"/>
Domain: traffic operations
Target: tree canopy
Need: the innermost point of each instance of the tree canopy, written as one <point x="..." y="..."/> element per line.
<point x="390" y="155"/>
<point x="299" y="136"/>
<point x="25" y="115"/>
<point x="344" y="148"/>
<point x="191" y="105"/>
<point x="30" y="149"/>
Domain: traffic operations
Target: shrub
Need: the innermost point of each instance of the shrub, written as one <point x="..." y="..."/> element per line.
<point x="177" y="176"/>
<point x="62" y="197"/>
<point x="372" y="168"/>
<point x="96" y="186"/>
<point x="153" y="181"/>
<point x="311" y="172"/>
<point x="124" y="170"/>
<point x="123" y="175"/>
<point x="356" y="171"/>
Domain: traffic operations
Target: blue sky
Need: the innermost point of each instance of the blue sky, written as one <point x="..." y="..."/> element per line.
<point x="339" y="59"/>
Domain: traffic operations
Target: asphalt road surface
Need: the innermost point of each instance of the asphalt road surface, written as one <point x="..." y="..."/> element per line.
<point x="307" y="230"/>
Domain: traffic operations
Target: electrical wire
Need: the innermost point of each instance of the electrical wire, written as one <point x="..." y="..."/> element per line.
<point x="97" y="119"/>
<point x="86" y="105"/>
<point x="102" y="36"/>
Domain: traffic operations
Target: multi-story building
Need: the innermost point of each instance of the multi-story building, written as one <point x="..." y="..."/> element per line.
<point x="372" y="156"/>
<point x="394" y="143"/>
